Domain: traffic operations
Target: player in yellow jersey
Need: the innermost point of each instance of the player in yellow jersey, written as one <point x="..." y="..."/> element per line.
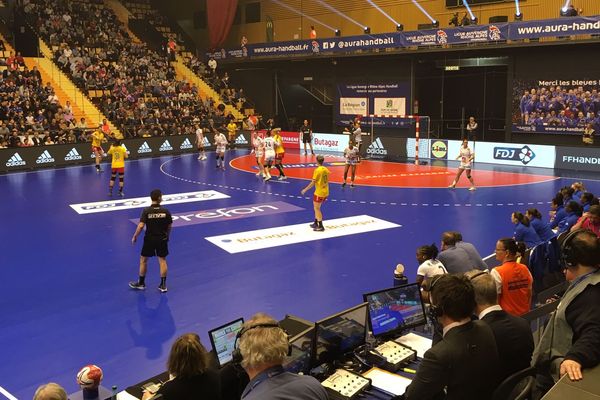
<point x="97" y="139"/>
<point x="231" y="130"/>
<point x="279" y="153"/>
<point x="119" y="154"/>
<point x="320" y="181"/>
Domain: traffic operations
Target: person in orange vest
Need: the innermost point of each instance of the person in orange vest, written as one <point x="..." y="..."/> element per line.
<point x="513" y="280"/>
<point x="313" y="32"/>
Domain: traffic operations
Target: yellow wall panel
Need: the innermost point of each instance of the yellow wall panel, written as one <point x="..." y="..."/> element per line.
<point x="288" y="25"/>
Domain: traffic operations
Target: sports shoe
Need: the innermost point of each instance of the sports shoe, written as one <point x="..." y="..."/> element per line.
<point x="199" y="157"/>
<point x="110" y="193"/>
<point x="137" y="285"/>
<point x="352" y="184"/>
<point x="452" y="187"/>
<point x="313" y="225"/>
<point x="319" y="229"/>
<point x="258" y="173"/>
<point x="312" y="152"/>
<point x="162" y="288"/>
<point x="305" y="153"/>
<point x="121" y="194"/>
<point x="204" y="158"/>
<point x="472" y="188"/>
<point x="344" y="184"/>
<point x="98" y="170"/>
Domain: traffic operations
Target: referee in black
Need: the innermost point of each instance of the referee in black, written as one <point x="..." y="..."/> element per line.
<point x="158" y="222"/>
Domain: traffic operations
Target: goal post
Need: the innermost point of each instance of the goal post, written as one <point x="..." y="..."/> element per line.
<point x="418" y="126"/>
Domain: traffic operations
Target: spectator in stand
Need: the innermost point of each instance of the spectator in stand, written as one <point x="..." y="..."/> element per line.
<point x="586" y="201"/>
<point x="558" y="211"/>
<point x="243" y="41"/>
<point x="429" y="265"/>
<point x="513" y="334"/>
<point x="590" y="220"/>
<point x="476" y="261"/>
<point x="455" y="259"/>
<point x="578" y="190"/>
<point x="212" y="64"/>
<point x="472" y="128"/>
<point x="513" y="280"/>
<point x="188" y="364"/>
<point x="542" y="228"/>
<point x="50" y="391"/>
<point x="48" y="140"/>
<point x="571" y="340"/>
<point x="574" y="212"/>
<point x="14" y="140"/>
<point x="313" y="32"/>
<point x="524" y="232"/>
<point x="588" y="134"/>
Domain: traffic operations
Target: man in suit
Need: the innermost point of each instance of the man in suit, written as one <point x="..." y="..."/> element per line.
<point x="463" y="366"/>
<point x="513" y="334"/>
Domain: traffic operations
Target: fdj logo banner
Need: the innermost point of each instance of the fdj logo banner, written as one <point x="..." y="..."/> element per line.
<point x="524" y="154"/>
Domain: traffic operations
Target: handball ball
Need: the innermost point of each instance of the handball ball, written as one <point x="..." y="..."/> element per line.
<point x="89" y="377"/>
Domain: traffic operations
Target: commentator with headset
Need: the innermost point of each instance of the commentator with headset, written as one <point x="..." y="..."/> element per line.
<point x="261" y="347"/>
<point x="464" y="364"/>
<point x="571" y="341"/>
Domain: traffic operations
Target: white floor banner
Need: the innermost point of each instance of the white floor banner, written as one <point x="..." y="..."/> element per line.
<point x="290" y="234"/>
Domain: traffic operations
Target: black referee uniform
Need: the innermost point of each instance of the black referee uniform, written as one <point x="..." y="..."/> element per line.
<point x="158" y="221"/>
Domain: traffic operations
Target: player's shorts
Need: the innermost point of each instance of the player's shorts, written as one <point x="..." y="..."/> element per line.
<point x="220" y="149"/>
<point x="279" y="156"/>
<point x="464" y="166"/>
<point x="270" y="156"/>
<point x="154" y="247"/>
<point x="97" y="149"/>
<point x="351" y="162"/>
<point x="319" y="199"/>
<point x="259" y="156"/>
<point x="306" y="138"/>
<point x="118" y="170"/>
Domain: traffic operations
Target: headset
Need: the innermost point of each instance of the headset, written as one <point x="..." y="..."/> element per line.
<point x="236" y="354"/>
<point x="434" y="311"/>
<point x="573" y="254"/>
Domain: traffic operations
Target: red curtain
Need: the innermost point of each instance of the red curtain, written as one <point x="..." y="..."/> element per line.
<point x="220" y="14"/>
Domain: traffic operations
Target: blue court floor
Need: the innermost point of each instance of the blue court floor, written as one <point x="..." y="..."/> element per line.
<point x="65" y="300"/>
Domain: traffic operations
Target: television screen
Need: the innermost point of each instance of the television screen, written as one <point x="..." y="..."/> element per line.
<point x="395" y="309"/>
<point x="222" y="340"/>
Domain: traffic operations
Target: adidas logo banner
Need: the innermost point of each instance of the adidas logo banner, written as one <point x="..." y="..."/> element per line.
<point x="73" y="155"/>
<point x="144" y="148"/>
<point x="376" y="148"/>
<point x="15" y="161"/>
<point x="241" y="139"/>
<point x="166" y="146"/>
<point x="44" y="158"/>
<point x="186" y="144"/>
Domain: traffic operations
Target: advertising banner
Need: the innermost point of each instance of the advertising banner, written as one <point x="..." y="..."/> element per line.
<point x="386" y="148"/>
<point x="389" y="106"/>
<point x="377" y="98"/>
<point x="354" y="106"/>
<point x="29" y="158"/>
<point x="578" y="158"/>
<point x="554" y="27"/>
<point x="507" y="153"/>
<point x="330" y="142"/>
<point x="291" y="140"/>
<point x="462" y="34"/>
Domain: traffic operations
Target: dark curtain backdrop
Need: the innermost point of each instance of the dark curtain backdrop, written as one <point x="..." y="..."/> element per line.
<point x="220" y="14"/>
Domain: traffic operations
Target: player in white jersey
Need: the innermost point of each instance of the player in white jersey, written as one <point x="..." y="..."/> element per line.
<point x="466" y="157"/>
<point x="269" y="154"/>
<point x="351" y="156"/>
<point x="221" y="143"/>
<point x="200" y="143"/>
<point x="259" y="151"/>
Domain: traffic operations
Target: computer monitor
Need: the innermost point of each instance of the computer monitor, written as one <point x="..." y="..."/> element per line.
<point x="339" y="334"/>
<point x="395" y="309"/>
<point x="222" y="340"/>
<point x="302" y="348"/>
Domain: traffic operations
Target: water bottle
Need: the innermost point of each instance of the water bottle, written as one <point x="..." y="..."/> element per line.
<point x="369" y="341"/>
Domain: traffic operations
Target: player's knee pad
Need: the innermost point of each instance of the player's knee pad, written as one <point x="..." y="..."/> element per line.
<point x="121" y="179"/>
<point x="113" y="177"/>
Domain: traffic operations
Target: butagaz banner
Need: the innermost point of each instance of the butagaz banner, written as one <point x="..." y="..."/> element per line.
<point x="390" y="106"/>
<point x="431" y="37"/>
<point x="353" y="105"/>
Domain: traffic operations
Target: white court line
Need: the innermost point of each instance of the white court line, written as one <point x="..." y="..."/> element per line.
<point x="7" y="394"/>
